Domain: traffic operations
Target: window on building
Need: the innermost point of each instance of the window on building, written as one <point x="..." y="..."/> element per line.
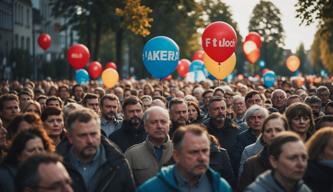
<point x="28" y="44"/>
<point x="28" y="17"/>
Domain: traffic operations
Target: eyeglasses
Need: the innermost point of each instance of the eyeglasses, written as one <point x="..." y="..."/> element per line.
<point x="57" y="186"/>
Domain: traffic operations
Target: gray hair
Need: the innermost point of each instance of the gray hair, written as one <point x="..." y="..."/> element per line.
<point x="276" y="91"/>
<point x="254" y="109"/>
<point x="147" y="113"/>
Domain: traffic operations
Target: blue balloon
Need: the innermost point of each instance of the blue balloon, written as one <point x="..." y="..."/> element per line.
<point x="82" y="76"/>
<point x="160" y="56"/>
<point x="197" y="65"/>
<point x="269" y="79"/>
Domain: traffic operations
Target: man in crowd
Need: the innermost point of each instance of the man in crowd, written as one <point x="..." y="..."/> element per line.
<point x="131" y="131"/>
<point x="324" y="94"/>
<point x="93" y="163"/>
<point x="253" y="97"/>
<point x="54" y="101"/>
<point x="43" y="172"/>
<point x="78" y="93"/>
<point x="64" y="92"/>
<point x="147" y="158"/>
<point x="288" y="158"/>
<point x="191" y="171"/>
<point x="90" y="100"/>
<point x="205" y="101"/>
<point x="178" y="113"/>
<point x="279" y="100"/>
<point x="239" y="108"/>
<point x="9" y="108"/>
<point x="110" y="107"/>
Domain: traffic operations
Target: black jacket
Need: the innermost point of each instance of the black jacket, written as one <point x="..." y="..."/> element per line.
<point x="128" y="136"/>
<point x="114" y="175"/>
<point x="319" y="177"/>
<point x="7" y="177"/>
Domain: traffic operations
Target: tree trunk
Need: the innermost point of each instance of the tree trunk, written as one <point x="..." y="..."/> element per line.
<point x="119" y="46"/>
<point x="88" y="28"/>
<point x="98" y="30"/>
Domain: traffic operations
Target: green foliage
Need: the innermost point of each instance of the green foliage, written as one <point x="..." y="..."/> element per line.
<point x="266" y="21"/>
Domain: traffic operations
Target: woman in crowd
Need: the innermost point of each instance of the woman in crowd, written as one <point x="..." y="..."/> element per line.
<point x="257" y="163"/>
<point x="193" y="112"/>
<point x="32" y="106"/>
<point x="300" y="120"/>
<point x="25" y="144"/>
<point x="320" y="166"/>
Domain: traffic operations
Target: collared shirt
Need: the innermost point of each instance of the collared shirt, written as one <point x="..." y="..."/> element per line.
<point x="109" y="126"/>
<point x="184" y="186"/>
<point x="87" y="170"/>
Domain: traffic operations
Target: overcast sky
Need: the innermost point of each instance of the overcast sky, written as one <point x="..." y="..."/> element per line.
<point x="295" y="34"/>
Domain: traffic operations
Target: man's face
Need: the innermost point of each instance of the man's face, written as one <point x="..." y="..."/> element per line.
<point x="53" y="177"/>
<point x="255" y="99"/>
<point x="109" y="109"/>
<point x="53" y="103"/>
<point x="255" y="121"/>
<point x="86" y="139"/>
<point x="24" y="98"/>
<point x="217" y="111"/>
<point x="324" y="96"/>
<point x="93" y="104"/>
<point x="133" y="114"/>
<point x="207" y="97"/>
<point x="329" y="111"/>
<point x="10" y="110"/>
<point x="292" y="162"/>
<point x="63" y="93"/>
<point x="157" y="125"/>
<point x="42" y="103"/>
<point x="315" y="108"/>
<point x="238" y="106"/>
<point x="54" y="125"/>
<point x="78" y="92"/>
<point x="193" y="156"/>
<point x="279" y="99"/>
<point x="179" y="113"/>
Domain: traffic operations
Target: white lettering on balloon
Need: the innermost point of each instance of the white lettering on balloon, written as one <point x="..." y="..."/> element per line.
<point x="219" y="42"/>
<point x="161" y="55"/>
<point x="76" y="55"/>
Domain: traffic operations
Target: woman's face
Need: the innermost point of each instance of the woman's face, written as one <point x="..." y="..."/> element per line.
<point x="192" y="113"/>
<point x="328" y="150"/>
<point x="24" y="126"/>
<point x="32" y="108"/>
<point x="32" y="147"/>
<point x="300" y="124"/>
<point x="271" y="129"/>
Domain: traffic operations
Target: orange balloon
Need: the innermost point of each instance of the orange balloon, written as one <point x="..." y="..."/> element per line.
<point x="220" y="70"/>
<point x="249" y="46"/>
<point x="110" y="77"/>
<point x="253" y="56"/>
<point x="293" y="63"/>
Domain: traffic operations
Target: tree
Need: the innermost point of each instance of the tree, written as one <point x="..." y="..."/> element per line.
<point x="266" y="21"/>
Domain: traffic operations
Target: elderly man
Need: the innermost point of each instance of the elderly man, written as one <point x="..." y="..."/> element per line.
<point x="239" y="108"/>
<point x="279" y="100"/>
<point x="191" y="171"/>
<point x="92" y="161"/>
<point x="147" y="158"/>
<point x="288" y="158"/>
<point x="110" y="120"/>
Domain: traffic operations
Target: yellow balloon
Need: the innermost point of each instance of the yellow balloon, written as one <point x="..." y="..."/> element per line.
<point x="220" y="70"/>
<point x="110" y="77"/>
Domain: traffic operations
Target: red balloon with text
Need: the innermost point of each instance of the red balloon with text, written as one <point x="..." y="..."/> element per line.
<point x="219" y="41"/>
<point x="95" y="69"/>
<point x="111" y="65"/>
<point x="78" y="56"/>
<point x="44" y="41"/>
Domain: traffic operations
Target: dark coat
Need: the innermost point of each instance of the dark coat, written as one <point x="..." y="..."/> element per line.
<point x="319" y="177"/>
<point x="128" y="136"/>
<point x="114" y="175"/>
<point x="226" y="136"/>
<point x="253" y="167"/>
<point x="7" y="177"/>
<point x="220" y="162"/>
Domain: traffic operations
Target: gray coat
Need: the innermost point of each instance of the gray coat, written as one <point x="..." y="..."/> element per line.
<point x="265" y="182"/>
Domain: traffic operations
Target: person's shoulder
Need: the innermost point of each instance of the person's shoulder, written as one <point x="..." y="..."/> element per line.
<point x="152" y="184"/>
<point x="135" y="149"/>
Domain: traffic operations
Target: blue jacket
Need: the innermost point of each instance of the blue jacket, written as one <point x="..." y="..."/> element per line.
<point x="164" y="181"/>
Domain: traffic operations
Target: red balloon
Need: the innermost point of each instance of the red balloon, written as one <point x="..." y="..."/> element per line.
<point x="253" y="56"/>
<point x="255" y="37"/>
<point x="219" y="41"/>
<point x="198" y="55"/>
<point x="169" y="77"/>
<point x="95" y="69"/>
<point x="78" y="56"/>
<point x="183" y="67"/>
<point x="44" y="41"/>
<point x="265" y="71"/>
<point x="111" y="65"/>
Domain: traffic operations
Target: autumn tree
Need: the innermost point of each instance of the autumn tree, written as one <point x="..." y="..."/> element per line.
<point x="266" y="20"/>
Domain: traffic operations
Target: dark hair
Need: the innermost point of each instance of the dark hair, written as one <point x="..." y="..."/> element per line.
<point x="48" y="111"/>
<point x="27" y="175"/>
<point x="251" y="94"/>
<point x="87" y="97"/>
<point x="320" y="121"/>
<point x="299" y="110"/>
<point x="84" y="115"/>
<point x="207" y="91"/>
<point x="275" y="148"/>
<point x="312" y="100"/>
<point x="176" y="101"/>
<point x="178" y="135"/>
<point x="20" y="140"/>
<point x="109" y="96"/>
<point x="214" y="99"/>
<point x="7" y="97"/>
<point x="329" y="104"/>
<point x="29" y="117"/>
<point x="131" y="100"/>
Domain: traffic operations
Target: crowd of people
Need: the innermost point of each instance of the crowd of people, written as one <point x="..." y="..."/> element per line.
<point x="150" y="135"/>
